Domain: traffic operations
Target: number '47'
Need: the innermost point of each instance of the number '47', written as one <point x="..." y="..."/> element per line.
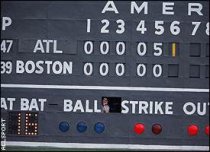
<point x="6" y="45"/>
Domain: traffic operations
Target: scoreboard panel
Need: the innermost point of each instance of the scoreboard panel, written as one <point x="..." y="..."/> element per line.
<point x="105" y="74"/>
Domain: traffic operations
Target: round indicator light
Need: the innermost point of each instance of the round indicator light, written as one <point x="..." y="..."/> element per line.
<point x="64" y="126"/>
<point x="81" y="127"/>
<point x="192" y="130"/>
<point x="156" y="129"/>
<point x="99" y="127"/>
<point x="207" y="130"/>
<point x="139" y="128"/>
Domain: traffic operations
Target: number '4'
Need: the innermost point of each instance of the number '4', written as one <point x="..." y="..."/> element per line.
<point x="141" y="27"/>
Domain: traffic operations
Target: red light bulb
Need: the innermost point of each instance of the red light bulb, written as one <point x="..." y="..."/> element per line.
<point x="207" y="130"/>
<point x="156" y="129"/>
<point x="139" y="128"/>
<point x="192" y="130"/>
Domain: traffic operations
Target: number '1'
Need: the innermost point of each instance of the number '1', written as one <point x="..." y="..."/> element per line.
<point x="88" y="25"/>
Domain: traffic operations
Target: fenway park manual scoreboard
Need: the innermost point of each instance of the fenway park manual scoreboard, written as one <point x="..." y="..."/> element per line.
<point x="105" y="74"/>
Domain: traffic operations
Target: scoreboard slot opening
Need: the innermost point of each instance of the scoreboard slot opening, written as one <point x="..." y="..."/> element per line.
<point x="111" y="104"/>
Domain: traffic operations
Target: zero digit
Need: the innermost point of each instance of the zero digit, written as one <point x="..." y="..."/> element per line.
<point x="141" y="48"/>
<point x="104" y="47"/>
<point x="141" y="70"/>
<point x="120" y="48"/>
<point x="104" y="69"/>
<point x="120" y="69"/>
<point x="88" y="69"/>
<point x="157" y="70"/>
<point x="88" y="47"/>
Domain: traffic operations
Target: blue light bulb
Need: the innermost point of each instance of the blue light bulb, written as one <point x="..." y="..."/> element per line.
<point x="99" y="127"/>
<point x="81" y="127"/>
<point x="64" y="126"/>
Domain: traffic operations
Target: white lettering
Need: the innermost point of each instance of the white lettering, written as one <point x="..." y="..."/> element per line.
<point x="78" y="106"/>
<point x="168" y="8"/>
<point x="133" y="106"/>
<point x="39" y="67"/>
<point x="96" y="106"/>
<point x="27" y="105"/>
<point x="199" y="108"/>
<point x="192" y="107"/>
<point x="110" y="6"/>
<point x="87" y="109"/>
<point x="4" y="102"/>
<point x="40" y="46"/>
<point x="24" y="105"/>
<point x="144" y="6"/>
<point x="168" y="108"/>
<point x="143" y="106"/>
<point x="195" y="7"/>
<point x="6" y="22"/>
<point x="125" y="109"/>
<point x="158" y="108"/>
<point x="67" y="105"/>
